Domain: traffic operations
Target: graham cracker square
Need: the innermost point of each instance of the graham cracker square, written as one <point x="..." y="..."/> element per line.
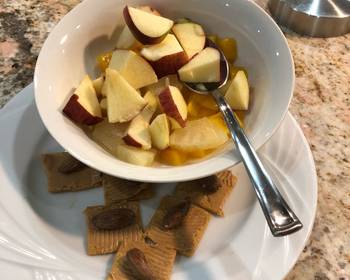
<point x="101" y="242"/>
<point x="160" y="260"/>
<point x="212" y="202"/>
<point x="185" y="238"/>
<point x="85" y="178"/>
<point x="117" y="190"/>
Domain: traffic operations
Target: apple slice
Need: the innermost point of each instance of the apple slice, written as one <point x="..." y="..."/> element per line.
<point x="198" y="135"/>
<point x="149" y="9"/>
<point x="123" y="101"/>
<point x="135" y="69"/>
<point x="191" y="37"/>
<point x="103" y="105"/>
<point x="170" y="80"/>
<point x="173" y="104"/>
<point x="135" y="155"/>
<point x="203" y="68"/>
<point x="151" y="107"/>
<point x="109" y="135"/>
<point x="237" y="95"/>
<point x="160" y="131"/>
<point x="98" y="84"/>
<point x="166" y="57"/>
<point x="83" y="106"/>
<point x="147" y="28"/>
<point x="138" y="134"/>
<point x="126" y="39"/>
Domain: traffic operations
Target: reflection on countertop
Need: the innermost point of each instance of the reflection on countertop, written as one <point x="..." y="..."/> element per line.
<point x="320" y="104"/>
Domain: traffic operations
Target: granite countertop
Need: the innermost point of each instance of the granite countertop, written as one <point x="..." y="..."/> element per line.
<point x="320" y="104"/>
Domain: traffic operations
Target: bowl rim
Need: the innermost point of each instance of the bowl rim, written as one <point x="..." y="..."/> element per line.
<point x="172" y="173"/>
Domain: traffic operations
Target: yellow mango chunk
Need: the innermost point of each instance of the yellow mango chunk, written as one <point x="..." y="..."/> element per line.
<point x="206" y="101"/>
<point x="213" y="38"/>
<point x="229" y="48"/>
<point x="196" y="111"/>
<point x="103" y="60"/>
<point x="171" y="156"/>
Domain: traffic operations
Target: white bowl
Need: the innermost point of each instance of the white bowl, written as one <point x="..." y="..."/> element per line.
<point x="91" y="28"/>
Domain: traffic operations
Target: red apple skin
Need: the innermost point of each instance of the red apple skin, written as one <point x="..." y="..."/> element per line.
<point x="131" y="141"/>
<point x="142" y="38"/>
<point x="77" y="113"/>
<point x="169" y="107"/>
<point x="169" y="64"/>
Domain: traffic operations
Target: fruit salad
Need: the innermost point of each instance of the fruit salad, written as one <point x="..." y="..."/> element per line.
<point x="139" y="108"/>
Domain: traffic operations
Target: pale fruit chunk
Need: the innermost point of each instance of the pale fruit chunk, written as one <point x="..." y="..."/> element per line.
<point x="126" y="39"/>
<point x="83" y="106"/>
<point x="166" y="57"/>
<point x="237" y="95"/>
<point x="159" y="130"/>
<point x="136" y="70"/>
<point x="103" y="105"/>
<point x="170" y="80"/>
<point x="123" y="101"/>
<point x="151" y="107"/>
<point x="201" y="134"/>
<point x="109" y="135"/>
<point x="173" y="104"/>
<point x="135" y="155"/>
<point x="98" y="84"/>
<point x="149" y="9"/>
<point x="138" y="134"/>
<point x="191" y="37"/>
<point x="147" y="28"/>
<point x="203" y="68"/>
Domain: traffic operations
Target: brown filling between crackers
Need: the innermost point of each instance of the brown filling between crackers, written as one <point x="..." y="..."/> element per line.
<point x="175" y="215"/>
<point x="138" y="262"/>
<point x="114" y="219"/>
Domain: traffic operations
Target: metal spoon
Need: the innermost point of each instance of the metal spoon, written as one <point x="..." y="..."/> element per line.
<point x="280" y="218"/>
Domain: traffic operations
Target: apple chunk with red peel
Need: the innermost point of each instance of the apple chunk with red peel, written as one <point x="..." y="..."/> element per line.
<point x="135" y="155"/>
<point x="98" y="84"/>
<point x="160" y="131"/>
<point x="147" y="28"/>
<point x="135" y="69"/>
<point x="203" y="68"/>
<point x="151" y="107"/>
<point x="191" y="37"/>
<point x="83" y="106"/>
<point x="173" y="104"/>
<point x="123" y="101"/>
<point x="237" y="94"/>
<point x="166" y="57"/>
<point x="138" y="134"/>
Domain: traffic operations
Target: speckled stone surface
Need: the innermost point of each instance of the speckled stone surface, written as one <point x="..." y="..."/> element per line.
<point x="321" y="105"/>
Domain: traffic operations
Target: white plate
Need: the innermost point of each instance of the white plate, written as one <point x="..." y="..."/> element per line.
<point x="42" y="235"/>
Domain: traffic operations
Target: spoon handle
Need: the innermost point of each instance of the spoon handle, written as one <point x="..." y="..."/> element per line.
<point x="280" y="218"/>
